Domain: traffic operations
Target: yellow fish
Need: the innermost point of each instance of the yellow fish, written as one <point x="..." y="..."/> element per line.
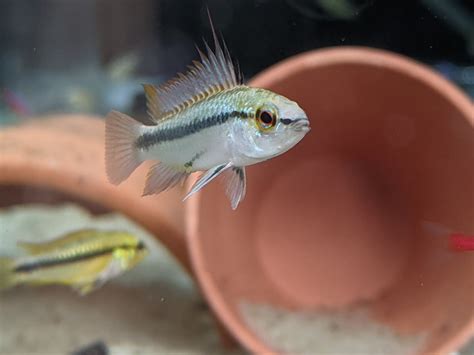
<point x="84" y="260"/>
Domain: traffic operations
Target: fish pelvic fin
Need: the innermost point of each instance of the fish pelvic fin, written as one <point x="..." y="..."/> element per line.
<point x="162" y="177"/>
<point x="206" y="178"/>
<point x="121" y="154"/>
<point x="235" y="182"/>
<point x="7" y="274"/>
<point x="215" y="72"/>
<point x="84" y="289"/>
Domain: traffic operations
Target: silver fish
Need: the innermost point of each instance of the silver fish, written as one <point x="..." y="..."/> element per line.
<point x="205" y="120"/>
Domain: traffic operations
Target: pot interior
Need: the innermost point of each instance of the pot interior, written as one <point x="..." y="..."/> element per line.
<point x="337" y="222"/>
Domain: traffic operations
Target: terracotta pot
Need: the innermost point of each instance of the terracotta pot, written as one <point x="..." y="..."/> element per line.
<point x="334" y="223"/>
<point x="64" y="155"/>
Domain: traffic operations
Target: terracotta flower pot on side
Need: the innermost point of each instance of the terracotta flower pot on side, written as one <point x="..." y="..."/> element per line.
<point x="336" y="222"/>
<point x="65" y="154"/>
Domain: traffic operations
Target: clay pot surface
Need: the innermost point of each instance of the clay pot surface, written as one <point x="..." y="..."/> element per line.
<point x="335" y="222"/>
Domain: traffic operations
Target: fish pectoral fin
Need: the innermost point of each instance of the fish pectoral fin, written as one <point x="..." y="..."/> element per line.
<point x="235" y="185"/>
<point x="207" y="177"/>
<point x="161" y="177"/>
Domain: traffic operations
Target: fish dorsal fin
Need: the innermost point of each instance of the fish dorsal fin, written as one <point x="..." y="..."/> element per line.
<point x="215" y="72"/>
<point x="37" y="248"/>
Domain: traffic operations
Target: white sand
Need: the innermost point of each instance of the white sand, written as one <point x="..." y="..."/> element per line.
<point x="152" y="309"/>
<point x="342" y="332"/>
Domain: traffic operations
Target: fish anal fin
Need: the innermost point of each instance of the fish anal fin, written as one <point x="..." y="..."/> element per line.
<point x="162" y="177"/>
<point x="235" y="182"/>
<point x="207" y="177"/>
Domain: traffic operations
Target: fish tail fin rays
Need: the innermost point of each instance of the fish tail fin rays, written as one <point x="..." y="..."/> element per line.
<point x="121" y="154"/>
<point x="206" y="178"/>
<point x="161" y="177"/>
<point x="7" y="274"/>
<point x="235" y="185"/>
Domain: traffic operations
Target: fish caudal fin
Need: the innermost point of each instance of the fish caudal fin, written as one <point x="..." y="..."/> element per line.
<point x="7" y="275"/>
<point x="162" y="177"/>
<point x="121" y="155"/>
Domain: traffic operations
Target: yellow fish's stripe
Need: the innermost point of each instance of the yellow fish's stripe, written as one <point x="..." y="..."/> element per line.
<point x="44" y="263"/>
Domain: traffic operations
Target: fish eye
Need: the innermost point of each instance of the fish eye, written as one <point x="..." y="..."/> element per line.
<point x="266" y="119"/>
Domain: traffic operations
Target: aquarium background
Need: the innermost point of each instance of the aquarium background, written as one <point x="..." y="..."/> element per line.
<point x="91" y="56"/>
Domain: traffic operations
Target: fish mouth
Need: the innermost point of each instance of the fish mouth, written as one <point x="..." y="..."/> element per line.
<point x="300" y="125"/>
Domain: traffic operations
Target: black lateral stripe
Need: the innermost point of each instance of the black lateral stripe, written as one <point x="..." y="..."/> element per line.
<point x="35" y="265"/>
<point x="147" y="140"/>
